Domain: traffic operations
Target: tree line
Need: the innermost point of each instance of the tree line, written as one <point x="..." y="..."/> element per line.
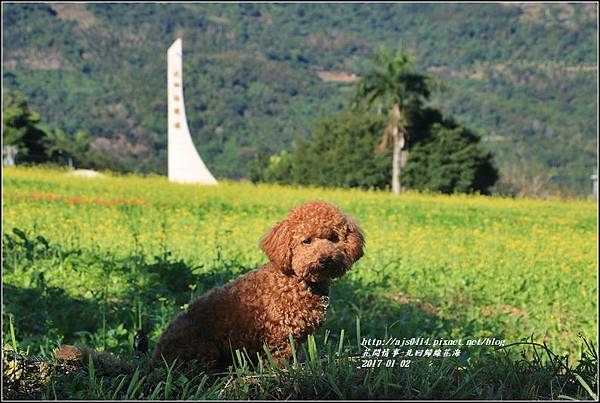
<point x="29" y="141"/>
<point x="348" y="149"/>
<point x="352" y="148"/>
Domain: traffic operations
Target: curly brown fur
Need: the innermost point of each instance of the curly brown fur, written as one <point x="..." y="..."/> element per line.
<point x="287" y="296"/>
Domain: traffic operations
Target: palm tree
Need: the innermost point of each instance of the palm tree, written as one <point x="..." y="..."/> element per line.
<point x="395" y="86"/>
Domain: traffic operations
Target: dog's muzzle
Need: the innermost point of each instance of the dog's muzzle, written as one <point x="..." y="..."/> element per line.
<point x="330" y="267"/>
<point x="327" y="263"/>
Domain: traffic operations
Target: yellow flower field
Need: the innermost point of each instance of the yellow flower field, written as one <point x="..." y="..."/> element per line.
<point x="448" y="266"/>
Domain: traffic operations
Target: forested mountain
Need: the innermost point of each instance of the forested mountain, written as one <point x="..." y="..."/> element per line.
<point x="258" y="76"/>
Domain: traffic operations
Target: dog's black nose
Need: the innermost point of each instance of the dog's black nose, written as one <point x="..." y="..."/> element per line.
<point x="326" y="261"/>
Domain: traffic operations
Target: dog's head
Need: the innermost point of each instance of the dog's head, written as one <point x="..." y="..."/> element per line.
<point x="316" y="242"/>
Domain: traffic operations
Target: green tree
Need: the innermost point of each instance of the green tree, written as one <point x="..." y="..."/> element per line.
<point x="21" y="128"/>
<point x="395" y="86"/>
<point x="279" y="169"/>
<point x="257" y="166"/>
<point x="445" y="157"/>
<point x="340" y="153"/>
<point x="74" y="151"/>
<point x="450" y="159"/>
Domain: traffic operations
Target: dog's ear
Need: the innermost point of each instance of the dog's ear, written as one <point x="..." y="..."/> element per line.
<point x="355" y="240"/>
<point x="277" y="246"/>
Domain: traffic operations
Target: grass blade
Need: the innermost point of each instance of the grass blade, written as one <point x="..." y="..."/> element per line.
<point x="587" y="387"/>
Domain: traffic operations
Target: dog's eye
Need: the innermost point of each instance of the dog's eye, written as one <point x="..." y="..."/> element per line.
<point x="307" y="241"/>
<point x="333" y="238"/>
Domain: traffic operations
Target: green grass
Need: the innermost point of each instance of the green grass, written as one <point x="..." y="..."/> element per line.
<point x="93" y="261"/>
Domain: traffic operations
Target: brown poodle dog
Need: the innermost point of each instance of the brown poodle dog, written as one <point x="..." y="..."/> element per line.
<point x="287" y="296"/>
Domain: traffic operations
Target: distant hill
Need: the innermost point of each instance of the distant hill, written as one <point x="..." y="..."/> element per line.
<point x="257" y="76"/>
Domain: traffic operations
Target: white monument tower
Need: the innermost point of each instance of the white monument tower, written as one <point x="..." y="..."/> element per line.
<point x="185" y="164"/>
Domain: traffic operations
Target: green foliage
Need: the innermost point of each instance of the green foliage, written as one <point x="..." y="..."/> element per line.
<point x="341" y="153"/>
<point x="257" y="166"/>
<point x="251" y="83"/>
<point x="445" y="157"/>
<point x="76" y="152"/>
<point x="396" y="86"/>
<point x="393" y="80"/>
<point x="450" y="160"/>
<point x="279" y="169"/>
<point x="21" y="128"/>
